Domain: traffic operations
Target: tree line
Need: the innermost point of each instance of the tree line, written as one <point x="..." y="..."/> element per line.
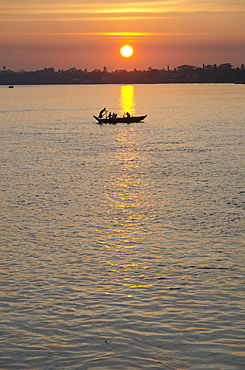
<point x="223" y="73"/>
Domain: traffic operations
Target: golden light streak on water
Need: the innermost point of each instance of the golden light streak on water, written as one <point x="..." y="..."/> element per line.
<point x="127" y="100"/>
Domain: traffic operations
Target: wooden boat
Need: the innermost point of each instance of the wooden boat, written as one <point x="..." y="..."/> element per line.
<point x="126" y="119"/>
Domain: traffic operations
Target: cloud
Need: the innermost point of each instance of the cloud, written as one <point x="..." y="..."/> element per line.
<point x="25" y="7"/>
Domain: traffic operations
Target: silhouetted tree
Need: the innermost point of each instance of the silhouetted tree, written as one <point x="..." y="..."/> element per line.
<point x="226" y="66"/>
<point x="186" y="67"/>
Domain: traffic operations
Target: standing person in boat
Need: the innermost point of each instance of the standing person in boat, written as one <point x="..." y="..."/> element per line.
<point x="102" y="112"/>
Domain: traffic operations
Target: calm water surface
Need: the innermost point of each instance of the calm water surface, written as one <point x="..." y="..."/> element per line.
<point x="122" y="245"/>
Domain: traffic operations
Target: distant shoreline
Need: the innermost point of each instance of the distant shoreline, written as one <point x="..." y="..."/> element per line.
<point x="224" y="73"/>
<point x="124" y="83"/>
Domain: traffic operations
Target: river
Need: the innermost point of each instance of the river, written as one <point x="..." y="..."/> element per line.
<point x="122" y="245"/>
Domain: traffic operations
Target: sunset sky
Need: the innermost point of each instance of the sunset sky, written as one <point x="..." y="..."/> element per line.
<point x="89" y="34"/>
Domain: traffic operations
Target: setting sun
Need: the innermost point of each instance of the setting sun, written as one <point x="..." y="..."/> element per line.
<point x="126" y="51"/>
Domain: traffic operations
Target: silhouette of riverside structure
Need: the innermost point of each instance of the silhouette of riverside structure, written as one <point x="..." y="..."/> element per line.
<point x="223" y="73"/>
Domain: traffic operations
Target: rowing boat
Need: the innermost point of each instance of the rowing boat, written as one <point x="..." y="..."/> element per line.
<point x="113" y="121"/>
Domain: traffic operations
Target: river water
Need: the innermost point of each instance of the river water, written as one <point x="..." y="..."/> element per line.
<point x="122" y="245"/>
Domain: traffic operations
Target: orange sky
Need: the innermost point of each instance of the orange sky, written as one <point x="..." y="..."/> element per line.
<point x="56" y="33"/>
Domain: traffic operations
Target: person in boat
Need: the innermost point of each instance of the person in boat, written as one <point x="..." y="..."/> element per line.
<point x="128" y="115"/>
<point x="102" y="112"/>
<point x="114" y="115"/>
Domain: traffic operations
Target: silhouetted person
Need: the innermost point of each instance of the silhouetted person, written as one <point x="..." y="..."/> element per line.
<point x="128" y="115"/>
<point x="102" y="112"/>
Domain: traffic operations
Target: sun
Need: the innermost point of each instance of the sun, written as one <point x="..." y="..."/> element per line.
<point x="126" y="51"/>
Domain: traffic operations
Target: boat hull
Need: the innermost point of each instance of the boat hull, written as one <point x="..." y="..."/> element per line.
<point x="113" y="121"/>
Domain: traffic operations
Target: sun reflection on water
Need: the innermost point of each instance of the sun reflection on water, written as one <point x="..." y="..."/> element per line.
<point x="128" y="207"/>
<point x="127" y="103"/>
